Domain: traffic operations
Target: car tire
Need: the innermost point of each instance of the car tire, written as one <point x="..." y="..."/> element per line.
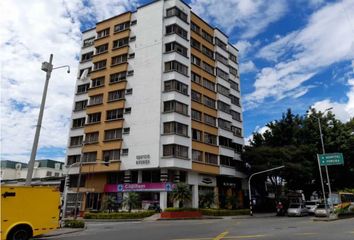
<point x="22" y="232"/>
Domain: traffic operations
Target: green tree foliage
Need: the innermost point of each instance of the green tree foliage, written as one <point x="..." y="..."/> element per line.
<point x="207" y="199"/>
<point x="294" y="141"/>
<point x="181" y="193"/>
<point x="131" y="200"/>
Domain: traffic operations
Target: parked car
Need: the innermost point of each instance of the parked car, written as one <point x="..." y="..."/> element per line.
<point x="311" y="206"/>
<point x="321" y="210"/>
<point x="297" y="209"/>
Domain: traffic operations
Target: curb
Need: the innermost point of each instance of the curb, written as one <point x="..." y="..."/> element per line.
<point x="172" y="219"/>
<point x="113" y="220"/>
<point x="59" y="234"/>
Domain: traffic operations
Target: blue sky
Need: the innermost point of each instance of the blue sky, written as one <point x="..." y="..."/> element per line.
<point x="293" y="54"/>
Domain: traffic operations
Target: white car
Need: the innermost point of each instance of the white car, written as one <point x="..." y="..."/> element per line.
<point x="311" y="206"/>
<point x="297" y="209"/>
<point x="321" y="210"/>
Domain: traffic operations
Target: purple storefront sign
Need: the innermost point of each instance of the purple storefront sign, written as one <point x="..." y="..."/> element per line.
<point x="140" y="187"/>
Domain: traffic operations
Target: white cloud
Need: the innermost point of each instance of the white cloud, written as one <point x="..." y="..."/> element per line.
<point x="30" y="31"/>
<point x="246" y="67"/>
<point x="257" y="129"/>
<point x="250" y="17"/>
<point x="243" y="47"/>
<point x="326" y="39"/>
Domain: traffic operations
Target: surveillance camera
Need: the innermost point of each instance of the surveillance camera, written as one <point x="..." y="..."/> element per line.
<point x="68" y="70"/>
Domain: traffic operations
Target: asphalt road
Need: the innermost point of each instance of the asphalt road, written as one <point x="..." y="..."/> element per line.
<point x="262" y="228"/>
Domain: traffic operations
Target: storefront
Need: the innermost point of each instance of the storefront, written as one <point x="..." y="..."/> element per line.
<point x="230" y="192"/>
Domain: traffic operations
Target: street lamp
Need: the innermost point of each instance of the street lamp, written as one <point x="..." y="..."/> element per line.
<point x="249" y="184"/>
<point x="48" y="68"/>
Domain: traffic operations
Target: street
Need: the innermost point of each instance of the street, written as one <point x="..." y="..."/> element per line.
<point x="217" y="229"/>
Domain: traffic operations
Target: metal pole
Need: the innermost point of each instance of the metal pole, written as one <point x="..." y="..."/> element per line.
<point x="39" y="124"/>
<point x="323" y="190"/>
<point x="249" y="185"/>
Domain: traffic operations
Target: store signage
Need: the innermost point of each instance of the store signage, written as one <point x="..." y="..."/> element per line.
<point x="140" y="187"/>
<point x="143" y="159"/>
<point x="207" y="181"/>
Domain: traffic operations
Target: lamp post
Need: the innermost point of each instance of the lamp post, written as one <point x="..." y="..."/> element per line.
<point x="48" y="68"/>
<point x="249" y="184"/>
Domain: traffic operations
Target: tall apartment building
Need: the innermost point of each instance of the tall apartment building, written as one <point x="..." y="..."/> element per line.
<point x="158" y="98"/>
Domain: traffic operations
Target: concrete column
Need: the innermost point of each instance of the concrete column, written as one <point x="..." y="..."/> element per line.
<point x="163" y="200"/>
<point x="195" y="196"/>
<point x="140" y="176"/>
<point x="127" y="177"/>
<point x="164" y="175"/>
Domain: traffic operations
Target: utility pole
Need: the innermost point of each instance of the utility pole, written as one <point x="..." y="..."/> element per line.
<point x="249" y="185"/>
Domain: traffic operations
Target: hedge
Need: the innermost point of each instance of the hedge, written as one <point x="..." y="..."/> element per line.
<point x="181" y="209"/>
<point x="74" y="224"/>
<point x="224" y="212"/>
<point x="119" y="215"/>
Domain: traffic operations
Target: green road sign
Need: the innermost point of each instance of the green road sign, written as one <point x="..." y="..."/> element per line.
<point x="331" y="159"/>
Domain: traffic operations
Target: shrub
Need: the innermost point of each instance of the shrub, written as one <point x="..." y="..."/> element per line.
<point x="74" y="224"/>
<point x="180" y="209"/>
<point x="224" y="212"/>
<point x="120" y="215"/>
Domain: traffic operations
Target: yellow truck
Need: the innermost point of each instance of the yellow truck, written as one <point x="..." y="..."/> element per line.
<point x="28" y="211"/>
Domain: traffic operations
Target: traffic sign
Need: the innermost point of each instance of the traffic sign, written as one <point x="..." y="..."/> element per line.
<point x="331" y="159"/>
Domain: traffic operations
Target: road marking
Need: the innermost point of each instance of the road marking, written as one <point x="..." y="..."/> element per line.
<point x="305" y="234"/>
<point x="221" y="235"/>
<point x="244" y="236"/>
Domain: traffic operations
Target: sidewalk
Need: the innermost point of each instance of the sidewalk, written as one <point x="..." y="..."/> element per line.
<point x="61" y="231"/>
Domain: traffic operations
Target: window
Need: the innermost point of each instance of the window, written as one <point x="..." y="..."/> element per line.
<point x="76" y="141"/>
<point x="125" y="151"/>
<point x="121" y="27"/>
<point x="175" y="128"/>
<point x="236" y="131"/>
<point x="91" y="137"/>
<point x="73" y="159"/>
<point x="196" y="135"/>
<point x="234" y="85"/>
<point x="195" y="60"/>
<point x="128" y="110"/>
<point x="174" y="85"/>
<point x="211" y="158"/>
<point x="119" y="59"/>
<point x="238" y="148"/>
<point x="120" y="42"/>
<point x="235" y="100"/>
<point x="209" y="138"/>
<point x="82" y="88"/>
<point x="221" y="58"/>
<point x="209" y="120"/>
<point x="174" y="11"/>
<point x="114" y="114"/>
<point x="102" y="48"/>
<point x="209" y="53"/>
<point x="131" y="55"/>
<point x="233" y="58"/>
<point x="88" y="42"/>
<point x="223" y="107"/>
<point x="174" y="150"/>
<point x="130" y="73"/>
<point x="227" y="161"/>
<point x="56" y="174"/>
<point x="111" y="155"/>
<point x="196" y="115"/>
<point x="196" y="96"/>
<point x="134" y="22"/>
<point x="176" y="66"/>
<point x="208" y="84"/>
<point x="97" y="82"/>
<point x="196" y="78"/>
<point x="176" y="47"/>
<point x="78" y="122"/>
<point x="117" y="77"/>
<point x="195" y="44"/>
<point x="113" y="134"/>
<point x="208" y="68"/>
<point x="175" y="106"/>
<point x="80" y="105"/>
<point x="103" y="33"/>
<point x="97" y="99"/>
<point x="86" y="57"/>
<point x="89" y="157"/>
<point x="220" y="73"/>
<point x="94" y="117"/>
<point x="197" y="155"/>
<point x="115" y="95"/>
<point x="221" y="44"/>
<point x="209" y="102"/>
<point x="223" y="90"/>
<point x="236" y="115"/>
<point x="195" y="28"/>
<point x="233" y="71"/>
<point x="100" y="65"/>
<point x="84" y="72"/>
<point x="225" y="142"/>
<point x="126" y="130"/>
<point x="129" y="91"/>
<point x="207" y="36"/>
<point x="224" y="124"/>
<point x="48" y="174"/>
<point x="175" y="29"/>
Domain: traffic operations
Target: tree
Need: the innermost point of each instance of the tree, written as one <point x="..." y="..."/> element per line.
<point x="181" y="193"/>
<point x="131" y="200"/>
<point x="207" y="199"/>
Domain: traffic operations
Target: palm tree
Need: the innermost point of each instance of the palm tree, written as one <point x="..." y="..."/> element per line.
<point x="181" y="193"/>
<point x="207" y="199"/>
<point x="131" y="200"/>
